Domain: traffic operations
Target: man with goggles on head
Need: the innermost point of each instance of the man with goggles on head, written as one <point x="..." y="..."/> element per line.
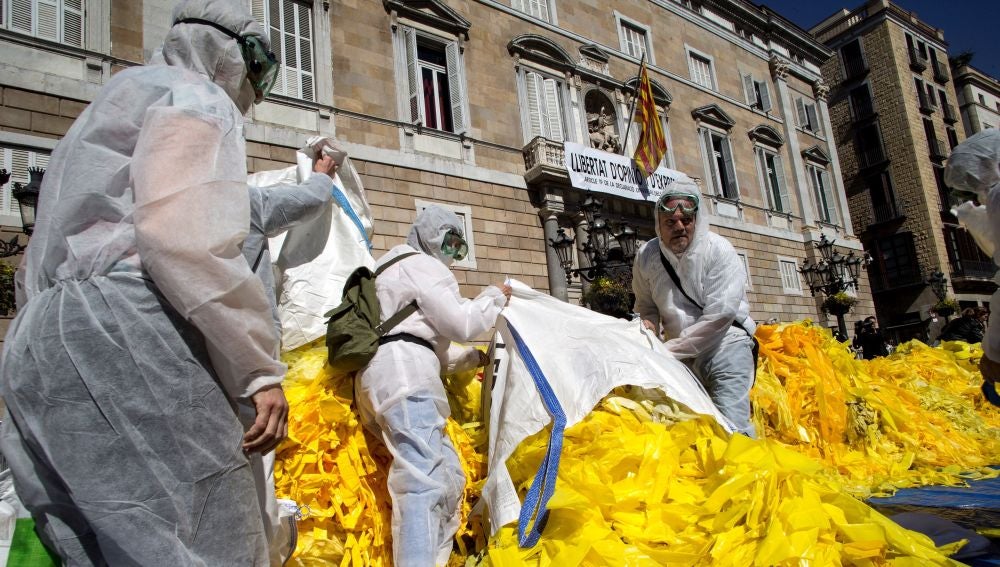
<point x="689" y="286"/>
<point x="122" y="438"/>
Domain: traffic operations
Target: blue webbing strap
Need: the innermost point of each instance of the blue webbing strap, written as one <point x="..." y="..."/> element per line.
<point x="545" y="479"/>
<point x="346" y="205"/>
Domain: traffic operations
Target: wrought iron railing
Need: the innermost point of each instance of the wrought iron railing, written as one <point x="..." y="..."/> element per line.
<point x="976" y="269"/>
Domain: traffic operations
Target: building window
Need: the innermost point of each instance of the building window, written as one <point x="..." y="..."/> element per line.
<point x="17" y="161"/>
<point x="853" y="59"/>
<point x="895" y="262"/>
<point x="537" y="8"/>
<point x="869" y="144"/>
<point x="701" y="70"/>
<point x="952" y="137"/>
<point x="823" y="194"/>
<point x="634" y="38"/>
<point x="861" y="103"/>
<point x="435" y="82"/>
<point x="773" y="176"/>
<point x="544" y="106"/>
<point x="721" y="170"/>
<point x="757" y="95"/>
<point x="790" y="282"/>
<point x="289" y="26"/>
<point x="464" y="213"/>
<point x="748" y="285"/>
<point x="884" y="207"/>
<point x="54" y="20"/>
<point x="982" y="99"/>
<point x="806" y="112"/>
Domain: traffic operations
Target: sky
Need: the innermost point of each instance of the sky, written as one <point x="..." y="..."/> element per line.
<point x="969" y="25"/>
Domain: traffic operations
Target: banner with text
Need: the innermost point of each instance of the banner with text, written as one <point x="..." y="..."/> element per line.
<point x="604" y="172"/>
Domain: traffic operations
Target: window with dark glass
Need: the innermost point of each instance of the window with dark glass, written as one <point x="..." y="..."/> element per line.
<point x="861" y="102"/>
<point x="952" y="137"/>
<point x="870" y="146"/>
<point x="883" y="198"/>
<point x="434" y="80"/>
<point x="854" y="61"/>
<point x="897" y="258"/>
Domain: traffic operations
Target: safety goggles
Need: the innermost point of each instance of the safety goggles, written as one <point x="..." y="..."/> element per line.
<point x="454" y="245"/>
<point x="262" y="66"/>
<point x="686" y="211"/>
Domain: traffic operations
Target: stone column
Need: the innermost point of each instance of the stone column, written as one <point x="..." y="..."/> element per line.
<point x="582" y="236"/>
<point x="822" y="92"/>
<point x="557" y="276"/>
<point x="779" y="72"/>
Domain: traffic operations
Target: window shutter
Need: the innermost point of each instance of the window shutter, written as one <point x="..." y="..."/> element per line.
<point x="779" y="172"/>
<point x="5" y="196"/>
<point x="454" y="61"/>
<point x="800" y="107"/>
<point x="72" y="22"/>
<point x="708" y="159"/>
<point x="413" y="80"/>
<point x="554" y="110"/>
<point x="813" y="119"/>
<point x="257" y="8"/>
<point x="518" y="5"/>
<point x="47" y="19"/>
<point x="748" y="89"/>
<point x="533" y="88"/>
<point x="762" y="175"/>
<point x="20" y="161"/>
<point x="543" y="9"/>
<point x="831" y="205"/>
<point x="20" y="16"/>
<point x="765" y="97"/>
<point x="732" y="189"/>
<point x="304" y="33"/>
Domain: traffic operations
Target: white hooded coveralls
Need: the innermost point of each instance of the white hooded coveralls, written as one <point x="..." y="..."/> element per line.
<point x="142" y="319"/>
<point x="402" y="398"/>
<point x="719" y="353"/>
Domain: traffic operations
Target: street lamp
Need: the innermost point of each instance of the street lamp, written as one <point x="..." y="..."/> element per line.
<point x="27" y="201"/>
<point x="599" y="236"/>
<point x="939" y="285"/>
<point x="832" y="274"/>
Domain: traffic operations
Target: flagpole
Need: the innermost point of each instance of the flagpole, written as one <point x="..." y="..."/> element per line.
<point x="635" y="97"/>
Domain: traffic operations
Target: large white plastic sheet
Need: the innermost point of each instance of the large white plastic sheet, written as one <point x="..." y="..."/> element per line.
<point x="312" y="260"/>
<point x="583" y="355"/>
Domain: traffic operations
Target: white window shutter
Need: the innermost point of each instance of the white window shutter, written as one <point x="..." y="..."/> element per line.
<point x="412" y="76"/>
<point x="20" y="161"/>
<point x="751" y="96"/>
<point x="708" y="159"/>
<point x="765" y="97"/>
<point x="5" y="196"/>
<point x="47" y="19"/>
<point x="304" y="37"/>
<point x="533" y="87"/>
<point x="454" y="62"/>
<point x="518" y="5"/>
<point x="543" y="10"/>
<point x="554" y="110"/>
<point x="779" y="172"/>
<point x="762" y="175"/>
<point x="21" y="18"/>
<point x="813" y="120"/>
<point x="732" y="189"/>
<point x="800" y="107"/>
<point x="831" y="205"/>
<point x="257" y="9"/>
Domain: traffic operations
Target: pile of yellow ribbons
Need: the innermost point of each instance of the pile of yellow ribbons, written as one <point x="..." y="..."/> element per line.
<point x="642" y="481"/>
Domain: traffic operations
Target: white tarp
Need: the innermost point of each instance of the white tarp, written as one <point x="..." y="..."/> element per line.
<point x="312" y="260"/>
<point x="583" y="355"/>
<point x="605" y="172"/>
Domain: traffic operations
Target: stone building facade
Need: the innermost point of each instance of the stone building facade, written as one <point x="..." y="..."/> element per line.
<point x="466" y="103"/>
<point x="978" y="98"/>
<point x="892" y="104"/>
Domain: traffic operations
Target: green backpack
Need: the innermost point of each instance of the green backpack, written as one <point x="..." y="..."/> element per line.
<point x="353" y="331"/>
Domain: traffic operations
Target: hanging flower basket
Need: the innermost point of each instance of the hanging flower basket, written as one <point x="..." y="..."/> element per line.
<point x="838" y="304"/>
<point x="946" y="307"/>
<point x="609" y="297"/>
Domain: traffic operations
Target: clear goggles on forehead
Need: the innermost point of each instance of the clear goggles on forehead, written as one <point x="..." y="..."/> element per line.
<point x="262" y="66"/>
<point x="685" y="210"/>
<point x="454" y="245"/>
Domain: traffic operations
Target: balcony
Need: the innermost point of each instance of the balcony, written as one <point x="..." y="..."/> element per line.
<point x="927" y="104"/>
<point x="855" y="67"/>
<point x="906" y="276"/>
<point x="544" y="160"/>
<point x="937" y="151"/>
<point x="941" y="74"/>
<point x="972" y="269"/>
<point x="862" y="109"/>
<point x="950" y="116"/>
<point x="885" y="211"/>
<point x="917" y="61"/>
<point x="871" y="156"/>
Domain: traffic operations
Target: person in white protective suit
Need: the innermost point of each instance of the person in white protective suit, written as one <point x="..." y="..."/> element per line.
<point x="143" y="322"/>
<point x="974" y="169"/>
<point x="400" y="393"/>
<point x="273" y="210"/>
<point x="711" y="330"/>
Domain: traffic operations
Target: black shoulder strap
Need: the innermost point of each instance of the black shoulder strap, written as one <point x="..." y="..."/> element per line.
<point x="403" y="313"/>
<point x="677" y="282"/>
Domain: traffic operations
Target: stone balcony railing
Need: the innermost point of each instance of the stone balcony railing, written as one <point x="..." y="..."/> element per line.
<point x="544" y="160"/>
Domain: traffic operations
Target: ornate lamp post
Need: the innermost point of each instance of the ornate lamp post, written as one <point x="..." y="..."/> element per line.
<point x="27" y="201"/>
<point x="832" y="274"/>
<point x="600" y="233"/>
<point x="939" y="285"/>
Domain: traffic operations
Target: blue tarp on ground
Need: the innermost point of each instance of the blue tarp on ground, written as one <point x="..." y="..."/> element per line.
<point x="973" y="506"/>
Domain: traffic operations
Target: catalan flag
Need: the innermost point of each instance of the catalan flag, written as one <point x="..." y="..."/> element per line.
<point x="652" y="143"/>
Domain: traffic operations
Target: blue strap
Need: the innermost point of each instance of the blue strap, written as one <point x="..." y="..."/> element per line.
<point x="545" y="479"/>
<point x="346" y="205"/>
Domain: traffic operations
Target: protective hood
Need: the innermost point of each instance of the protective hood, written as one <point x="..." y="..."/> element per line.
<point x="974" y="165"/>
<point x="683" y="186"/>
<point x="209" y="52"/>
<point x="428" y="231"/>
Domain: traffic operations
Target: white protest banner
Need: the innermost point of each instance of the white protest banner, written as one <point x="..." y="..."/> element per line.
<point x="604" y="172"/>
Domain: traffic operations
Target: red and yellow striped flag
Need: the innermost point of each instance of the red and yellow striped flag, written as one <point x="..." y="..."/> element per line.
<point x="652" y="143"/>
